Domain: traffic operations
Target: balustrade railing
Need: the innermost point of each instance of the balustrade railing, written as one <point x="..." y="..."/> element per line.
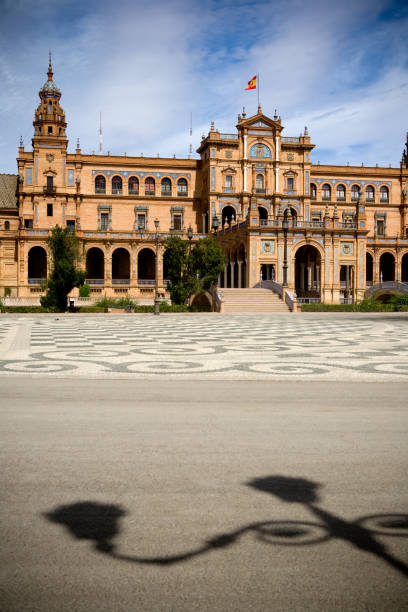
<point x="95" y="281"/>
<point x="146" y="281"/>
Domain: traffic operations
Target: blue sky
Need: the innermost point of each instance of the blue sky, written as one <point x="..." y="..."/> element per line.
<point x="341" y="68"/>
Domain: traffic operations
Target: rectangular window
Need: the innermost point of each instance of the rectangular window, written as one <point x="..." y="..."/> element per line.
<point x="50" y="182"/>
<point x="50" y="210"/>
<point x="228" y="153"/>
<point x="29" y="176"/>
<point x="141" y="221"/>
<point x="291" y="183"/>
<point x="177" y="222"/>
<point x="228" y="180"/>
<point x="71" y="224"/>
<point x="104" y="221"/>
<point x="70" y="178"/>
<point x="212" y="152"/>
<point x="28" y="223"/>
<point x="50" y="129"/>
<point x="380" y="227"/>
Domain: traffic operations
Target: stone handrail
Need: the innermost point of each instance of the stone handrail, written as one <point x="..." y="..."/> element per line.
<point x="290" y="301"/>
<point x="396" y="286"/>
<point x="217" y="299"/>
<point x="276" y="288"/>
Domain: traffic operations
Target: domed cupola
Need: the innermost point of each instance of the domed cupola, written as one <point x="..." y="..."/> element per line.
<point x="49" y="119"/>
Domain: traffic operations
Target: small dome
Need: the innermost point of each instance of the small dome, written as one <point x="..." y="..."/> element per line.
<point x="50" y="87"/>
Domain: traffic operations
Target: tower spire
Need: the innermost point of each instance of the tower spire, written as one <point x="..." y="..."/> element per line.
<point x="49" y="73"/>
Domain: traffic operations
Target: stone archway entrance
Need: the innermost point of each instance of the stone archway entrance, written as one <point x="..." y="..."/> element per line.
<point x="120" y="267"/>
<point x="95" y="266"/>
<point x="146" y="266"/>
<point x="307" y="273"/>
<point x="228" y="214"/>
<point x="387" y="267"/>
<point x="37" y="265"/>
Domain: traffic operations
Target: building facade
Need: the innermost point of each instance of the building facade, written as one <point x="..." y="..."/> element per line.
<point x="327" y="232"/>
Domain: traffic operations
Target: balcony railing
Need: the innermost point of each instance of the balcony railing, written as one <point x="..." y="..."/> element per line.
<point x="341" y="199"/>
<point x="120" y="281"/>
<point x="166" y="192"/>
<point x="133" y="192"/>
<point x="326" y="198"/>
<point x="100" y="190"/>
<point x="146" y="281"/>
<point x="95" y="281"/>
<point x="308" y="300"/>
<point x="290" y="139"/>
<point x="309" y="224"/>
<point x="50" y="190"/>
<point x="182" y="194"/>
<point x="259" y="190"/>
<point x="229" y="136"/>
<point x="36" y="281"/>
<point x="117" y="191"/>
<point x="348" y="225"/>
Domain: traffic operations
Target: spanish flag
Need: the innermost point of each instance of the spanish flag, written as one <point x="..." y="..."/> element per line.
<point x="251" y="83"/>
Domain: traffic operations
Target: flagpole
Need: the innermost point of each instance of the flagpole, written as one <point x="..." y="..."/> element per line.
<point x="258" y="87"/>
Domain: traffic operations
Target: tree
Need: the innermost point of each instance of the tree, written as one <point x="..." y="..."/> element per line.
<point x="207" y="262"/>
<point x="194" y="272"/>
<point x="63" y="246"/>
<point x="176" y="262"/>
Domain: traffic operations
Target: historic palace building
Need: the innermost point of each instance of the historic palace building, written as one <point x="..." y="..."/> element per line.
<point x="327" y="233"/>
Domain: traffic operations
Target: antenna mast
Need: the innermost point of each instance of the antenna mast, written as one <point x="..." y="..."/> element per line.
<point x="191" y="136"/>
<point x="100" y="133"/>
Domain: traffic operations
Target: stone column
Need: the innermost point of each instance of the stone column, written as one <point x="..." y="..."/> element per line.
<point x="239" y="274"/>
<point x="225" y="276"/>
<point x="318" y="278"/>
<point x="232" y="274"/>
<point x="309" y="278"/>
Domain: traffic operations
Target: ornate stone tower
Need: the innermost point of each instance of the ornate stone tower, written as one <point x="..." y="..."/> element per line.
<point x="49" y="119"/>
<point x="404" y="160"/>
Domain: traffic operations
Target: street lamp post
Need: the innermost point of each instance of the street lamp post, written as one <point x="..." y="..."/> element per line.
<point x="190" y="237"/>
<point x="215" y="224"/>
<point x="157" y="243"/>
<point x="285" y="226"/>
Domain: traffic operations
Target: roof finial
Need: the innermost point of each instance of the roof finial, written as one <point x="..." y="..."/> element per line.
<point x="21" y="141"/>
<point x="49" y="66"/>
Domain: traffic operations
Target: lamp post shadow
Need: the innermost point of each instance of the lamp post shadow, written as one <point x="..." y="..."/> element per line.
<point x="100" y="523"/>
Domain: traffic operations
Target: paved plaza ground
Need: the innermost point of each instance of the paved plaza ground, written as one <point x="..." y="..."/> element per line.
<point x="203" y="462"/>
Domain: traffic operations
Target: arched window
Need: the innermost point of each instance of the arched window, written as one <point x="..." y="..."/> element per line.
<point x="7" y="225"/>
<point x="369" y="194"/>
<point x="49" y="107"/>
<point x="133" y="185"/>
<point x="326" y="192"/>
<point x="340" y="193"/>
<point x="384" y="194"/>
<point x="260" y="184"/>
<point x="116" y="185"/>
<point x="100" y="184"/>
<point x="166" y="187"/>
<point x="182" y="187"/>
<point x="313" y="191"/>
<point x="260" y="151"/>
<point x="263" y="215"/>
<point x="149" y="186"/>
<point x="355" y="192"/>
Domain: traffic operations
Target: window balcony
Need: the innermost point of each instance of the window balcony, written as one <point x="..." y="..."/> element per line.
<point x="166" y="193"/>
<point x="117" y="191"/>
<point x="341" y="199"/>
<point x="384" y="200"/>
<point x="182" y="194"/>
<point x="326" y="198"/>
<point x="50" y="190"/>
<point x="259" y="190"/>
<point x="149" y="192"/>
<point x="100" y="190"/>
<point x="133" y="192"/>
<point x="120" y="281"/>
<point x="95" y="281"/>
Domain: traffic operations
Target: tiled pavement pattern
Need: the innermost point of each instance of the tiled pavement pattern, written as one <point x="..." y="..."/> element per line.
<point x="262" y="347"/>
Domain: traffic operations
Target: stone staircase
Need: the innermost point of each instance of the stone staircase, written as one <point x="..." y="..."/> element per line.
<point x="252" y="300"/>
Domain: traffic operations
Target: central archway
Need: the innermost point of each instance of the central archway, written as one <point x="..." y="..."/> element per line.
<point x="307" y="272"/>
<point x="37" y="264"/>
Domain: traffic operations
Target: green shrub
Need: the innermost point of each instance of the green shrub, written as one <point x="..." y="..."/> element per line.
<point x="363" y="306"/>
<point x="7" y="291"/>
<point x="24" y="309"/>
<point x="122" y="302"/>
<point x="84" y="290"/>
<point x="91" y="309"/>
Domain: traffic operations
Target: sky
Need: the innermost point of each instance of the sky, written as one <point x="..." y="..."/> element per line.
<point x="338" y="67"/>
